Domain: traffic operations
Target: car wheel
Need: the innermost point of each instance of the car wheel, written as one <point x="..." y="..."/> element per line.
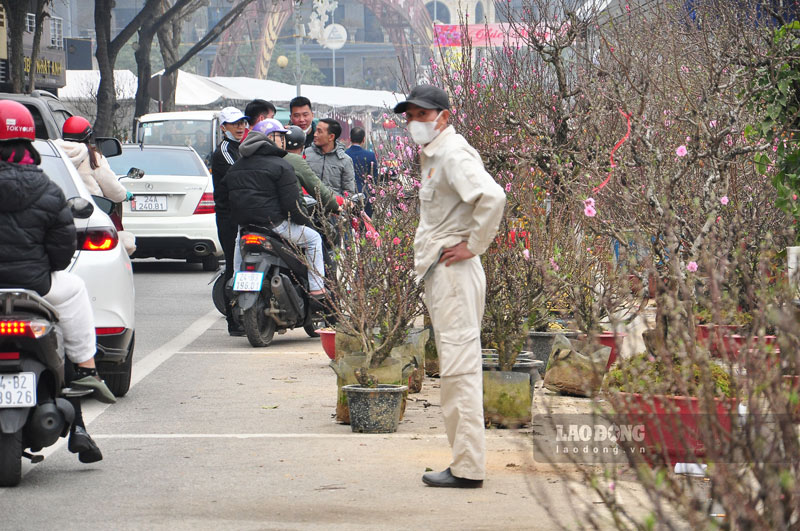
<point x="210" y="263"/>
<point x="118" y="377"/>
<point x="259" y="327"/>
<point x="10" y="459"/>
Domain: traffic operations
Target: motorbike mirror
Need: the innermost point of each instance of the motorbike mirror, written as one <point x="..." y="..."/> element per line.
<point x="135" y="173"/>
<point x="104" y="204"/>
<point x="109" y="147"/>
<point x="80" y="207"/>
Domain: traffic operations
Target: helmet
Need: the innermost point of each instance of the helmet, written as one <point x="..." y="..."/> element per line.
<point x="77" y="129"/>
<point x="16" y="121"/>
<point x="295" y="138"/>
<point x="269" y="126"/>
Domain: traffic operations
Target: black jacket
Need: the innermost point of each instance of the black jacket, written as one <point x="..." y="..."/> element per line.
<point x="262" y="187"/>
<point x="226" y="154"/>
<point x="37" y="232"/>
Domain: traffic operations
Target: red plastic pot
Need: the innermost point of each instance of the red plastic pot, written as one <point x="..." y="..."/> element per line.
<point x="328" y="338"/>
<point x="723" y="341"/>
<point x="671" y="425"/>
<point x="608" y="339"/>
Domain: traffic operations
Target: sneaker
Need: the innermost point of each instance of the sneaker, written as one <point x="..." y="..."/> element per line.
<point x="81" y="443"/>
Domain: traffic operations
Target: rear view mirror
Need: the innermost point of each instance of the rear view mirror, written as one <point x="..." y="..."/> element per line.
<point x="109" y="147"/>
<point x="106" y="205"/>
<point x="135" y="173"/>
<point x="80" y="207"/>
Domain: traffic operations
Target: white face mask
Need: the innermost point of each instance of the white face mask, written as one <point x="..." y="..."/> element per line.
<point x="424" y="132"/>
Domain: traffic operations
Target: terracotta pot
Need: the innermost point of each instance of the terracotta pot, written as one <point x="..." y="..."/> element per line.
<point x="671" y="425"/>
<point x="609" y="339"/>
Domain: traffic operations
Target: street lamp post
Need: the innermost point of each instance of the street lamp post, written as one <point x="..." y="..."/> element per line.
<point x="297" y="25"/>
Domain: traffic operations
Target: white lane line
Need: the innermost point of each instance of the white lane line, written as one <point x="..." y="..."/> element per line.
<point x="264" y="436"/>
<point x="93" y="409"/>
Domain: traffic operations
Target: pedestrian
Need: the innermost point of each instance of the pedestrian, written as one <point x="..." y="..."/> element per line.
<point x="365" y="165"/>
<point x="301" y="115"/>
<point x="460" y="211"/>
<point x="328" y="159"/>
<point x="95" y="171"/>
<point x="233" y="124"/>
<point x="37" y="244"/>
<point x="258" y="110"/>
<point x="263" y="191"/>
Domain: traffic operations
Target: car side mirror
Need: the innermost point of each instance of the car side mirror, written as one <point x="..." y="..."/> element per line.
<point x="80" y="207"/>
<point x="135" y="173"/>
<point x="104" y="204"/>
<point x="109" y="147"/>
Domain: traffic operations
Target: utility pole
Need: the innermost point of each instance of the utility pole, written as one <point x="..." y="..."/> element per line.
<point x="297" y="29"/>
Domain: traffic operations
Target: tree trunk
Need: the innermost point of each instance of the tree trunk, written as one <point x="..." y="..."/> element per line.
<point x="106" y="57"/>
<point x="144" y="71"/>
<point x="169" y="41"/>
<point x="37" y="41"/>
<point x="15" y="16"/>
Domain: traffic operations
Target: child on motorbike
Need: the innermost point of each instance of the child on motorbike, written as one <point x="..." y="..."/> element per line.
<point x="37" y="243"/>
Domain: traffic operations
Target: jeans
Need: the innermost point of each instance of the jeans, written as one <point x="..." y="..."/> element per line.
<point x="310" y="239"/>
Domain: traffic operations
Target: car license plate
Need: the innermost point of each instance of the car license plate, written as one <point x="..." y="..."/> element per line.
<point x="247" y="281"/>
<point x="18" y="390"/>
<point x="149" y="203"/>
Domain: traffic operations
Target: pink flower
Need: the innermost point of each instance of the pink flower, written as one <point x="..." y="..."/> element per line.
<point x="508" y="187"/>
<point x="396" y="241"/>
<point x="712" y="123"/>
<point x="554" y="265"/>
<point x="794" y="197"/>
<point x="681" y="151"/>
<point x="526" y="254"/>
<point x="589" y="211"/>
<point x="588" y="202"/>
<point x="724" y="199"/>
<point x="691" y="267"/>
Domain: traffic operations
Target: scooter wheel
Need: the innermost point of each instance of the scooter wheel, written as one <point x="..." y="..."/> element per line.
<point x="218" y="295"/>
<point x="10" y="459"/>
<point x="259" y="327"/>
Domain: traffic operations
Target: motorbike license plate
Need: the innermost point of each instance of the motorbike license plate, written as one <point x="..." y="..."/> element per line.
<point x="149" y="203"/>
<point x="247" y="281"/>
<point x="18" y="390"/>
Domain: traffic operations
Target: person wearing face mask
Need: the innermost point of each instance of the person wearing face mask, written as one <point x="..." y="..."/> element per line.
<point x="233" y="124"/>
<point x="460" y="211"/>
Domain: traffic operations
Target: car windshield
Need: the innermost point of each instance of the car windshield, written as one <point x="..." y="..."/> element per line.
<point x="195" y="133"/>
<point x="56" y="169"/>
<point x="157" y="161"/>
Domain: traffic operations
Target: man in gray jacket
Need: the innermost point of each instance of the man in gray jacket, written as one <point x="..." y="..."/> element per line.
<point x="328" y="159"/>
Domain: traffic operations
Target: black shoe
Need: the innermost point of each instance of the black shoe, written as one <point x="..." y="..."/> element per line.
<point x="82" y="444"/>
<point x="236" y="331"/>
<point x="446" y="479"/>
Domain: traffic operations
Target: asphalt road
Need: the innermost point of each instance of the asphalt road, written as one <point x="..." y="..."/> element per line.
<point x="215" y="434"/>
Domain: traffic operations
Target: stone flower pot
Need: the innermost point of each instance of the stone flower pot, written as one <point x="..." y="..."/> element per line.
<point x="375" y="409"/>
<point x="540" y="344"/>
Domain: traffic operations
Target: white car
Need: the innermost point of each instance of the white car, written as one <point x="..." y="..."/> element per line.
<point x="172" y="211"/>
<point x="103" y="264"/>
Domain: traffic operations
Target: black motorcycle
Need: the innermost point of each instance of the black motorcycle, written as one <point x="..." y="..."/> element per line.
<point x="34" y="410"/>
<point x="270" y="290"/>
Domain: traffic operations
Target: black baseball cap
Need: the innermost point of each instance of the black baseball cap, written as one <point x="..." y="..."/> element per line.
<point x="425" y="96"/>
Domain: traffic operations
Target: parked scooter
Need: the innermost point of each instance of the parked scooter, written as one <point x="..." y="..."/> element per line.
<point x="34" y="410"/>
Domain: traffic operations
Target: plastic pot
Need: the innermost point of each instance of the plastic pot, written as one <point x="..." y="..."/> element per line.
<point x="374" y="409"/>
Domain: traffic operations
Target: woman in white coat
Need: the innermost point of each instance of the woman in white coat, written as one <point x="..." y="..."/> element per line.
<point x="94" y="169"/>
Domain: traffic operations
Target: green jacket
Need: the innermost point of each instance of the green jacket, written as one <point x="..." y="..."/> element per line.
<point x="309" y="180"/>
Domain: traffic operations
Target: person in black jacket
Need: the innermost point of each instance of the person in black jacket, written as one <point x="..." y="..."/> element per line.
<point x="233" y="124"/>
<point x="37" y="243"/>
<point x="263" y="191"/>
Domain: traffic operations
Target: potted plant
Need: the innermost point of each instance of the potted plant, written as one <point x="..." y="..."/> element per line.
<point x="375" y="296"/>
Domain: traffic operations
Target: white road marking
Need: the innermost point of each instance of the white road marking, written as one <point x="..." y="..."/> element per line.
<point x="263" y="436"/>
<point x="93" y="409"/>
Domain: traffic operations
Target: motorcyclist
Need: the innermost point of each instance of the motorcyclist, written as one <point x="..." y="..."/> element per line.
<point x="263" y="191"/>
<point x="37" y="243"/>
<point x="295" y="143"/>
<point x="94" y="170"/>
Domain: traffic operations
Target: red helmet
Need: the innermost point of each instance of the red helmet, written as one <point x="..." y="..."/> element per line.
<point x="16" y="121"/>
<point x="77" y="129"/>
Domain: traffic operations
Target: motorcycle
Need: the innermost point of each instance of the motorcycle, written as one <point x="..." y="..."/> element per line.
<point x="34" y="410"/>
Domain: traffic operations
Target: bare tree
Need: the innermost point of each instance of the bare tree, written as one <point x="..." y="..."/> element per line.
<point x="16" y="12"/>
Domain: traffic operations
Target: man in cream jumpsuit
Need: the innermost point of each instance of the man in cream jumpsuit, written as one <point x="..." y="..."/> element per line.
<point x="460" y="210"/>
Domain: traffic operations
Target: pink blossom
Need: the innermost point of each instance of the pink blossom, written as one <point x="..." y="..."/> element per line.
<point x="685" y="69"/>
<point x="554" y="265"/>
<point x="691" y="267"/>
<point x="724" y="199"/>
<point x="589" y="211"/>
<point x="526" y="254"/>
<point x="588" y="202"/>
<point x="396" y="241"/>
<point x="794" y="197"/>
<point x="712" y="124"/>
<point x="681" y="151"/>
<point x="508" y="187"/>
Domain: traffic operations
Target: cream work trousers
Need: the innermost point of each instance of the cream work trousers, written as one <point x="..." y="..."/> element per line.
<point x="455" y="297"/>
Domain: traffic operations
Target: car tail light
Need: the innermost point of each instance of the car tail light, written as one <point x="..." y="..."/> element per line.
<point x="9" y="356"/>
<point x="23" y="328"/>
<point x="102" y="239"/>
<point x="206" y="204"/>
<point x="109" y="330"/>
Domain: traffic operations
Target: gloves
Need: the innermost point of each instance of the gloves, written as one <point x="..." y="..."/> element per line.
<point x="128" y="196"/>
